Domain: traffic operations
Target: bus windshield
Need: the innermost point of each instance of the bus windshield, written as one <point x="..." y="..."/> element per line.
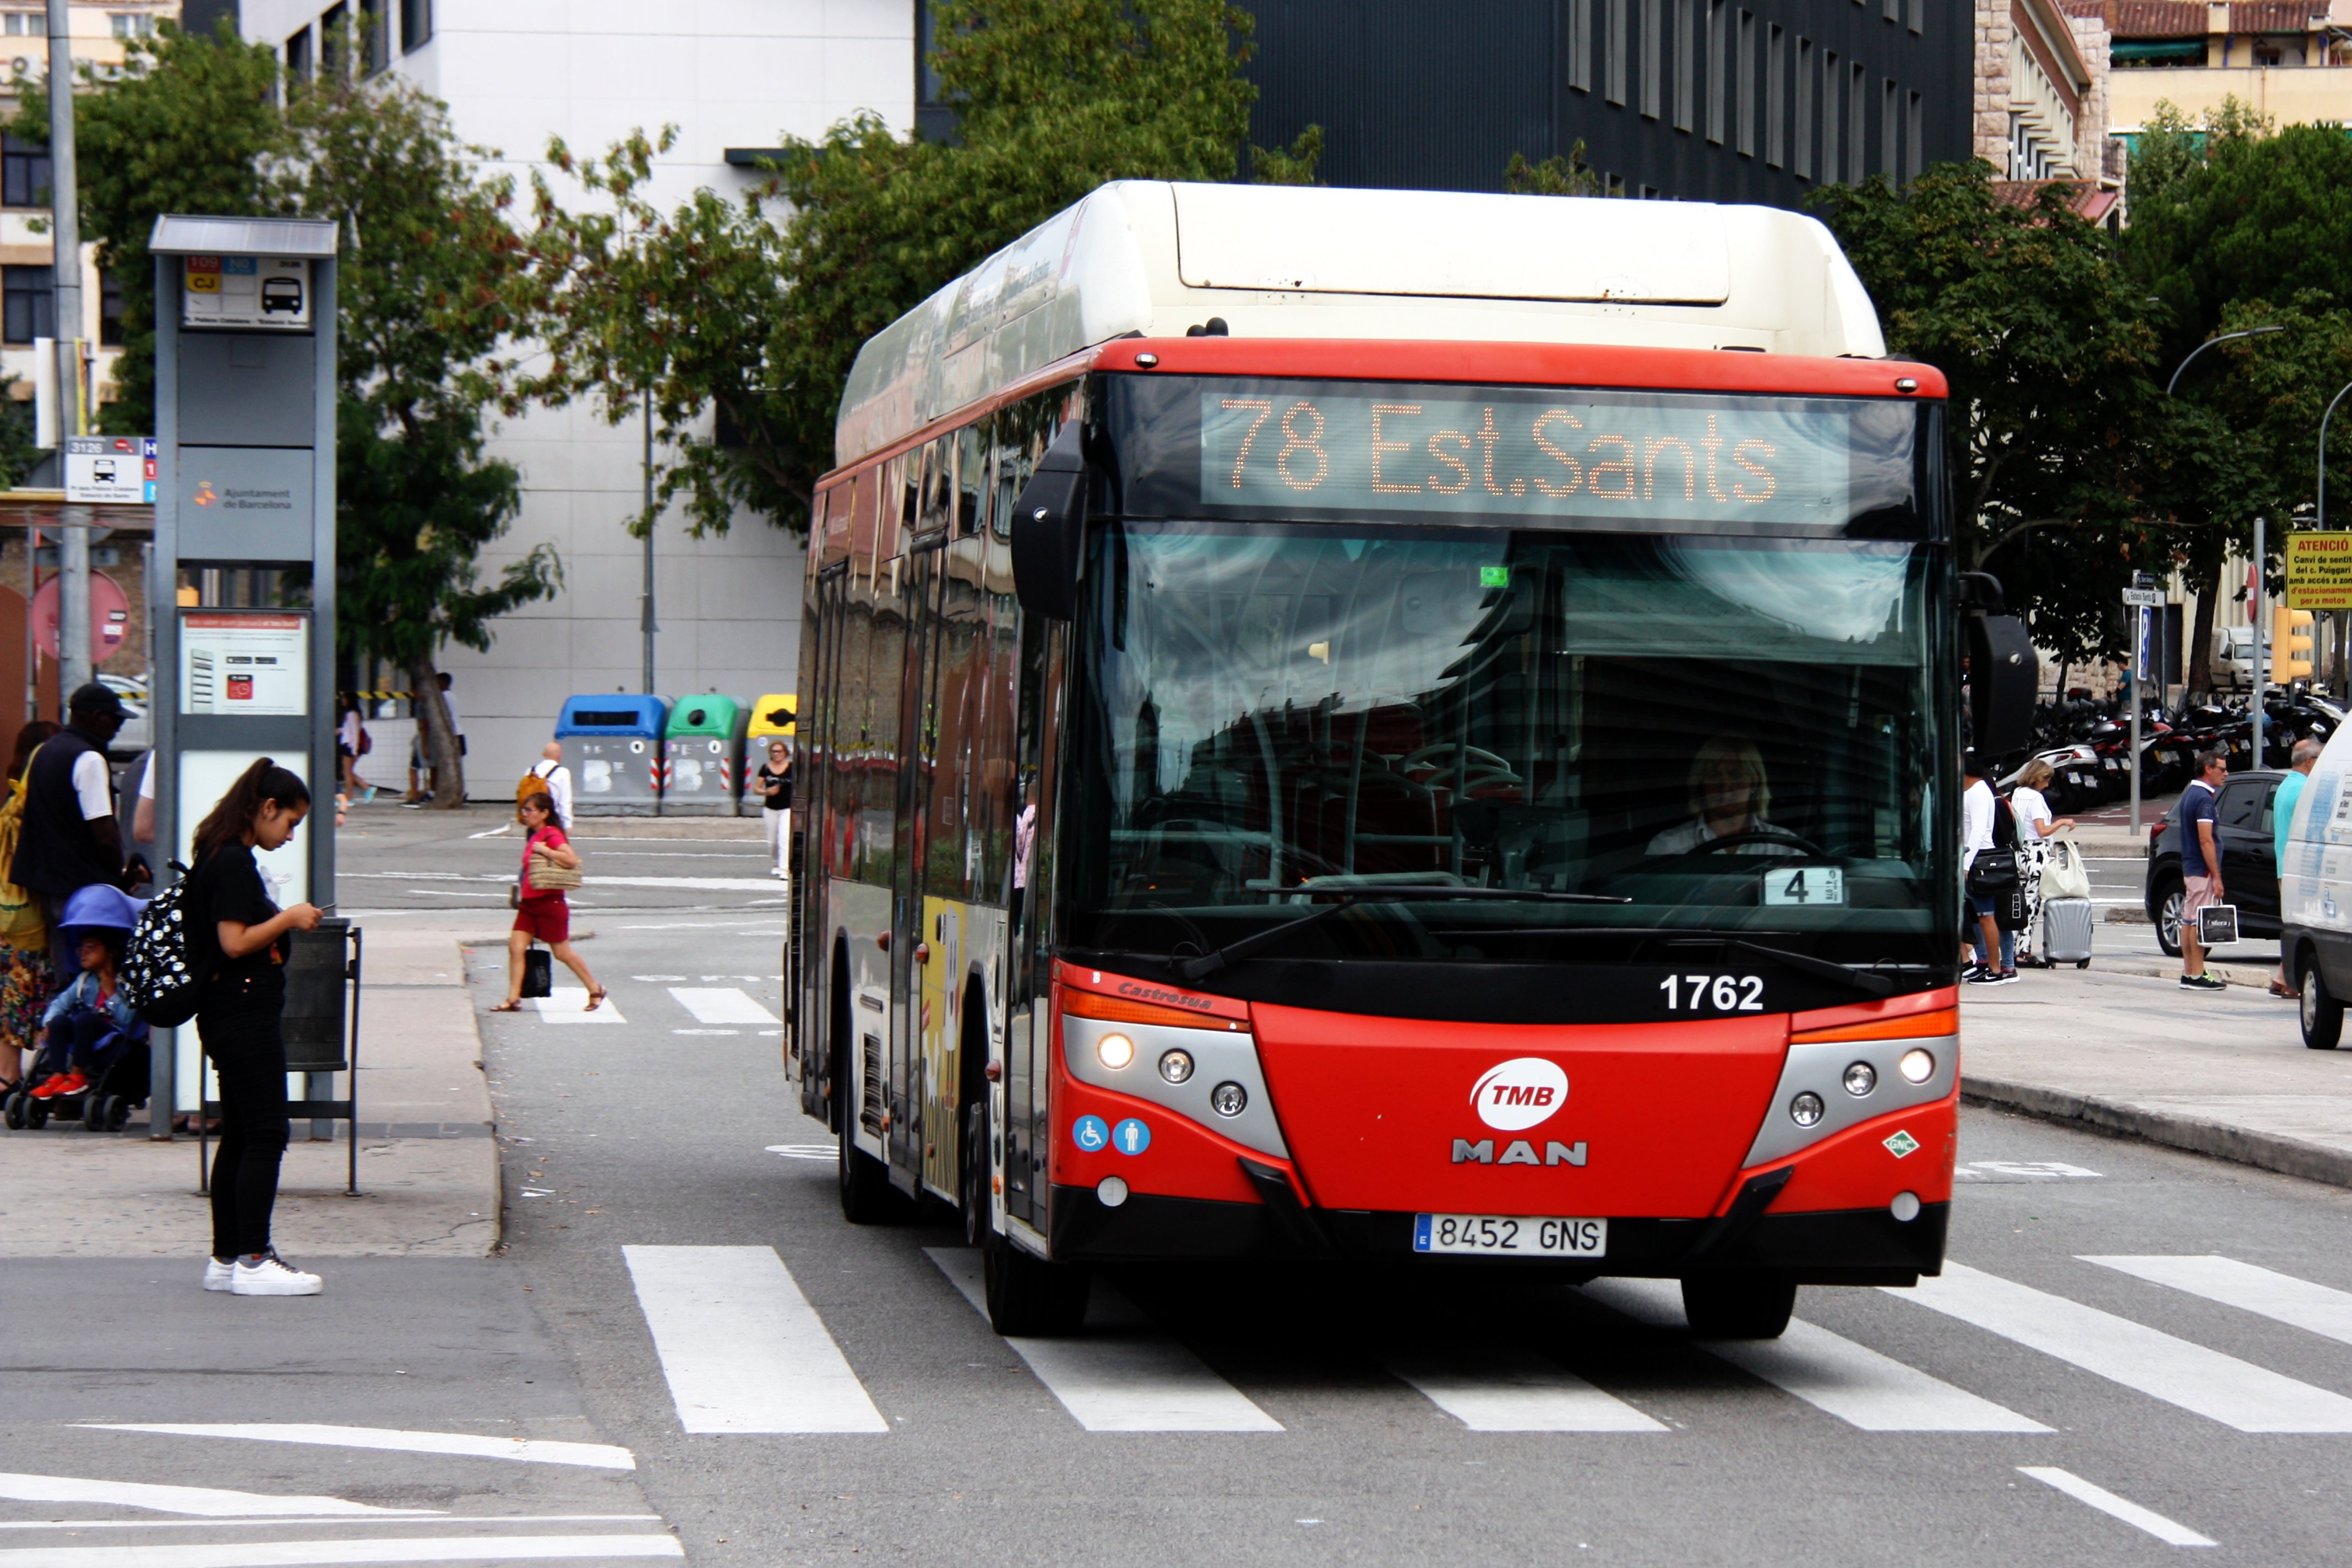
<point x="1724" y="733"/>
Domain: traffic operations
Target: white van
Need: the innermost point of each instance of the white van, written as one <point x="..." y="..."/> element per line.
<point x="2315" y="895"/>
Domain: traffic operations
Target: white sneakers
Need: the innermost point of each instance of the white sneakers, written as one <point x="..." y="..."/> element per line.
<point x="273" y="1276"/>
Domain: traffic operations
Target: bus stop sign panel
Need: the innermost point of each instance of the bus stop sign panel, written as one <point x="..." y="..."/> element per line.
<point x="249" y="292"/>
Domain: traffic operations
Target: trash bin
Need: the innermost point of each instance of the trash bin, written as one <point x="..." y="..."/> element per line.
<point x="317" y="973"/>
<point x="772" y="718"/>
<point x="702" y="756"/>
<point x="613" y="744"/>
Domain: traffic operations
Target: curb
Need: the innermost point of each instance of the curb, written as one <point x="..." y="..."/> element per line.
<point x="2288" y="1156"/>
<point x="2256" y="975"/>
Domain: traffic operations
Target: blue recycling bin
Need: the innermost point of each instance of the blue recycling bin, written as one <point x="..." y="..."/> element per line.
<point x="613" y="744"/>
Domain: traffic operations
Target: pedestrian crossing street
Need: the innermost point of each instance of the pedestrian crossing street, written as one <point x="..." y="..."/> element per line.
<point x="713" y="1010"/>
<point x="744" y="1351"/>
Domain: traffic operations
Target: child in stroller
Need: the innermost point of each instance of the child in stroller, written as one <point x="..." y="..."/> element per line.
<point x="93" y="1047"/>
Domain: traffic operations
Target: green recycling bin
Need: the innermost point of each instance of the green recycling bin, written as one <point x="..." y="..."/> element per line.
<point x="702" y="756"/>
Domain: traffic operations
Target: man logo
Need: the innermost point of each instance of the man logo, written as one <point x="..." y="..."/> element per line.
<point x="1524" y="1092"/>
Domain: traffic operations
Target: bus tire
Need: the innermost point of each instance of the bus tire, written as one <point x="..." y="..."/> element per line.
<point x="1738" y="1303"/>
<point x="1029" y="1298"/>
<point x="866" y="1196"/>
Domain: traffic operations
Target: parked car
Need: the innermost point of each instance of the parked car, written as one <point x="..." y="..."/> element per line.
<point x="2234" y="659"/>
<point x="2242" y="829"/>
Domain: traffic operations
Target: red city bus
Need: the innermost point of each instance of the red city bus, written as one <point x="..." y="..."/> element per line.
<point x="1392" y="726"/>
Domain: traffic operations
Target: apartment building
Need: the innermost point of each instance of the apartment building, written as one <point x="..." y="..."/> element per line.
<point x="2289" y="59"/>
<point x="101" y="30"/>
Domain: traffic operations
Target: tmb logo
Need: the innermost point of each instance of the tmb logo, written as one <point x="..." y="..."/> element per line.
<point x="1524" y="1092"/>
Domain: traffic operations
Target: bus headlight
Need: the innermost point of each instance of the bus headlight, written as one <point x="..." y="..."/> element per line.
<point x="1228" y="1099"/>
<point x="1176" y="1067"/>
<point x="1861" y="1078"/>
<point x="1805" y="1110"/>
<point x="1917" y="1066"/>
<point x="1115" y="1052"/>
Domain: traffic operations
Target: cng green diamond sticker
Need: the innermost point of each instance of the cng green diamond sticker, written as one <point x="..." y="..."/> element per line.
<point x="1901" y="1144"/>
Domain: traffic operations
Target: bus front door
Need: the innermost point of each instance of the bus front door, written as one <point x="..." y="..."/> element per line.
<point x="917" y="753"/>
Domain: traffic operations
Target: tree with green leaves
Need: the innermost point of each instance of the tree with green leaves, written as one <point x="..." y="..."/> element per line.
<point x="738" y="321"/>
<point x="2030" y="314"/>
<point x="427" y="291"/>
<point x="189" y="124"/>
<point x="1558" y="175"/>
<point x="2239" y="224"/>
<point x="428" y="269"/>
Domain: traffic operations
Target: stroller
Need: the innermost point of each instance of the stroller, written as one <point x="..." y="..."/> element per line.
<point x="119" y="1085"/>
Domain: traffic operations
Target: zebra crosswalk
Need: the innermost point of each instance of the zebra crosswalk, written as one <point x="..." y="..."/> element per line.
<point x="1125" y="1374"/>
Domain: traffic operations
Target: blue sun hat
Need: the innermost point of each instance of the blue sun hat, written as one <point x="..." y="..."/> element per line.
<point x="99" y="909"/>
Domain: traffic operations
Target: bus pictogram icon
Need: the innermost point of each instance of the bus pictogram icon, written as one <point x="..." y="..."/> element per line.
<point x="1130" y="1137"/>
<point x="1091" y="1133"/>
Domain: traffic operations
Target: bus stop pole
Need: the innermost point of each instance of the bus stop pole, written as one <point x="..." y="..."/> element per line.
<point x="2261" y="651"/>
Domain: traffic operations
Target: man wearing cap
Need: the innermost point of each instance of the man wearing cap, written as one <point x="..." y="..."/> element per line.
<point x="70" y="840"/>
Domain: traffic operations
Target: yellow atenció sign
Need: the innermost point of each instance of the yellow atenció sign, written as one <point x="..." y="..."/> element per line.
<point x="2319" y="571"/>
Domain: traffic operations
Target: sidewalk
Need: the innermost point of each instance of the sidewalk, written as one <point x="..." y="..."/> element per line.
<point x="428" y="1166"/>
<point x="2222" y="1074"/>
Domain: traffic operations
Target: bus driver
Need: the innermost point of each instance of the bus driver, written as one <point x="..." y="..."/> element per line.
<point x="1728" y="797"/>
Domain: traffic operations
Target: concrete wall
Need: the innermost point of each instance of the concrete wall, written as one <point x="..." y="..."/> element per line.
<point x="2292" y="95"/>
<point x="728" y="73"/>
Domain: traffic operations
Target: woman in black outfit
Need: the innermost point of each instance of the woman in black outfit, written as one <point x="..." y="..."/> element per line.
<point x="239" y="935"/>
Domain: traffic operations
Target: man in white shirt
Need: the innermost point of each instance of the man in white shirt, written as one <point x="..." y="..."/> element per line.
<point x="551" y="768"/>
<point x="1978" y="807"/>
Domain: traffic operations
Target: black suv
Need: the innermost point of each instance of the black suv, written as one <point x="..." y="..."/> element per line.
<point x="2242" y="830"/>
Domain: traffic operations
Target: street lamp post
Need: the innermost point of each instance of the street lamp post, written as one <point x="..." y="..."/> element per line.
<point x="2323" y="503"/>
<point x="2256" y="606"/>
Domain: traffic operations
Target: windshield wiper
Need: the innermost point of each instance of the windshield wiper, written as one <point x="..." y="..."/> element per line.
<point x="1861" y="979"/>
<point x="1217" y="958"/>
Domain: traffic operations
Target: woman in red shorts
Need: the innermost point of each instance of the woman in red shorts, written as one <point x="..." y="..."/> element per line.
<point x="542" y="913"/>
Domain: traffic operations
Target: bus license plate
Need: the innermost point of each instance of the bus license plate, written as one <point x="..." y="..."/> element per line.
<point x="1510" y="1235"/>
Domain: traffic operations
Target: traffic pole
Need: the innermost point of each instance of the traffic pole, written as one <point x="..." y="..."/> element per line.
<point x="2261" y="660"/>
<point x="65" y="272"/>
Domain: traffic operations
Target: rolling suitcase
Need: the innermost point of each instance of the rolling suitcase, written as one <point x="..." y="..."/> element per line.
<point x="2066" y="932"/>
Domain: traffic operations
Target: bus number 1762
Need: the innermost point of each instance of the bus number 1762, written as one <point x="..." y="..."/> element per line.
<point x="1713" y="993"/>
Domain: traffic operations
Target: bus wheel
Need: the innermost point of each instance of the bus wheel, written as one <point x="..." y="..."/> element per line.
<point x="866" y="1196"/>
<point x="1029" y="1298"/>
<point x="972" y="1175"/>
<point x="1738" y="1303"/>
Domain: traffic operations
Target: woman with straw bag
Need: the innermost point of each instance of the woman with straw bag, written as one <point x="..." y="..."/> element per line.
<point x="550" y="867"/>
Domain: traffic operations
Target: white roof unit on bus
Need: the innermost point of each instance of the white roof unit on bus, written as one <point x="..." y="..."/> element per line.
<point x="1286" y="261"/>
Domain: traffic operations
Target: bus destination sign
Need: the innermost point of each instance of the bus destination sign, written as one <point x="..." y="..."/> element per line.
<point x="1572" y="457"/>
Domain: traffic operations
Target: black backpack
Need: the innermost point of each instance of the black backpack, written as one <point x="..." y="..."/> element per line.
<point x="160" y="982"/>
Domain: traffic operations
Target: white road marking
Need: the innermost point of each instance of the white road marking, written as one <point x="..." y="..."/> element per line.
<point x="2282" y="1297"/>
<point x="569" y="1004"/>
<point x="2106" y="1502"/>
<point x="721" y="1004"/>
<point x="1503" y="1389"/>
<point x="532" y="1451"/>
<point x="1828" y="1372"/>
<point x="706" y="884"/>
<point x="824" y="1151"/>
<point x="1122" y="1375"/>
<point x="297" y="1554"/>
<point x="2022" y="1170"/>
<point x="203" y="1501"/>
<point x="742" y="1349"/>
<point x="305" y="1523"/>
<point x="2205" y="1382"/>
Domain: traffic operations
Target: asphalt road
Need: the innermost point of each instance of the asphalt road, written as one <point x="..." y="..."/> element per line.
<point x="1351" y="1416"/>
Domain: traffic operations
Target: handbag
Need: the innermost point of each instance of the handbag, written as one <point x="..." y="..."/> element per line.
<point x="2064" y="876"/>
<point x="546" y="877"/>
<point x="537" y="971"/>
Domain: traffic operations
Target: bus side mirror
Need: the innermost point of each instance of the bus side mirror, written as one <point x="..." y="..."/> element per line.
<point x="1049" y="525"/>
<point x="2004" y="678"/>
